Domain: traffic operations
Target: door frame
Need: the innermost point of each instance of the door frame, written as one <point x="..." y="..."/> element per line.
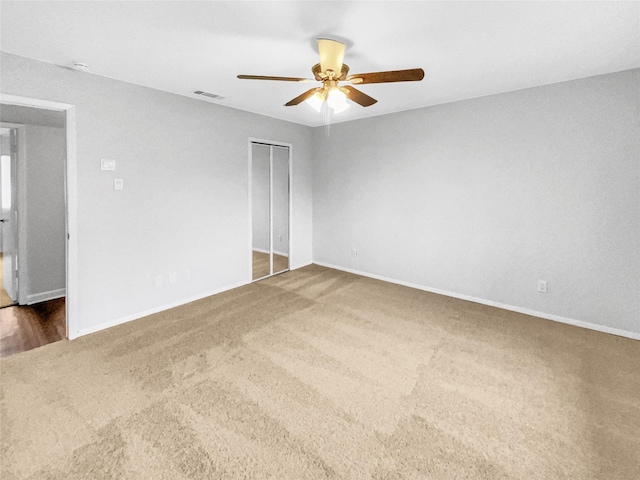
<point x="269" y="143"/>
<point x="71" y="201"/>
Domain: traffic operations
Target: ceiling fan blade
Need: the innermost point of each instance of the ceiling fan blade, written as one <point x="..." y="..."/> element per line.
<point x="331" y="55"/>
<point x="410" y="75"/>
<point x="301" y="98"/>
<point x="359" y="97"/>
<point x="282" y="79"/>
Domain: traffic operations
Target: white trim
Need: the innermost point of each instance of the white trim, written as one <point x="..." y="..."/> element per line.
<point x="250" y="207"/>
<point x="31" y="102"/>
<point x="44" y="296"/>
<point x="302" y="265"/>
<point x="526" y="311"/>
<point x="71" y="180"/>
<point x="290" y="204"/>
<point x="270" y="210"/>
<point x="146" y="313"/>
<point x="269" y="142"/>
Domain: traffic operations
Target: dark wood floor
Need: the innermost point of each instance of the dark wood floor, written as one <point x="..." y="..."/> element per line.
<point x="23" y="328"/>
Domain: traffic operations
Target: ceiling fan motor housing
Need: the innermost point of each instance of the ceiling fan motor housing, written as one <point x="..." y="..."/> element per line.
<point x="320" y="76"/>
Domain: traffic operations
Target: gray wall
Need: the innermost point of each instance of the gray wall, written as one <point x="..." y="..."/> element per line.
<point x="44" y="274"/>
<point x="184" y="207"/>
<point x="482" y="198"/>
<point x="32" y="116"/>
<point x="479" y="198"/>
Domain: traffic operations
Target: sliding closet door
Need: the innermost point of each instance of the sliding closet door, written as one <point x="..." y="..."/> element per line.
<point x="280" y="208"/>
<point x="270" y="209"/>
<point x="261" y="208"/>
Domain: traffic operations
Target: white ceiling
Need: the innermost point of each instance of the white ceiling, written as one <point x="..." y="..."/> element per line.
<point x="467" y="49"/>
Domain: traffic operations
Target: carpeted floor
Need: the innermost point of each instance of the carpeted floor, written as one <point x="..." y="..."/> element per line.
<point x="317" y="373"/>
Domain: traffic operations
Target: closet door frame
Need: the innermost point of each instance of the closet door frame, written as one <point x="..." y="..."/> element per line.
<point x="268" y="143"/>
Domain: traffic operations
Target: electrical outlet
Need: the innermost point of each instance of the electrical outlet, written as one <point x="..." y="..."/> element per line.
<point x="542" y="286"/>
<point x="354" y="252"/>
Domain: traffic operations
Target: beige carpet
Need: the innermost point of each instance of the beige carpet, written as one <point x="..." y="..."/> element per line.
<point x="321" y="374"/>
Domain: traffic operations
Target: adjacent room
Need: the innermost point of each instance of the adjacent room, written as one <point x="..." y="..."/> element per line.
<point x="320" y="240"/>
<point x="33" y="286"/>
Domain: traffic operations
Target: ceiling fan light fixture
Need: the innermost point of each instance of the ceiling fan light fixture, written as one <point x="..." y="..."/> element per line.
<point x="315" y="101"/>
<point x="340" y="107"/>
<point x="337" y="99"/>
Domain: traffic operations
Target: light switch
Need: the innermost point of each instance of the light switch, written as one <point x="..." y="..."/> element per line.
<point x="106" y="164"/>
<point x="118" y="184"/>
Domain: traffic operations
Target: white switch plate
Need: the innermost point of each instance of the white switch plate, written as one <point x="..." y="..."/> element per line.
<point x="542" y="286"/>
<point x="106" y="164"/>
<point x="118" y="184"/>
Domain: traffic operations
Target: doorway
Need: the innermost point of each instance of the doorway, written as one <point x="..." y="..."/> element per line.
<point x="269" y="167"/>
<point x="8" y="215"/>
<point x="32" y="197"/>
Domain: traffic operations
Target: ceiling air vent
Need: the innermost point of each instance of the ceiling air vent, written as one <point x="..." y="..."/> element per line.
<point x="209" y="95"/>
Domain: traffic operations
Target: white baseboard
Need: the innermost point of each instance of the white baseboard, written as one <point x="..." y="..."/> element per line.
<point x="151" y="311"/>
<point x="44" y="296"/>
<point x="301" y="265"/>
<point x="526" y="311"/>
<point x="145" y="313"/>
<point x="260" y="250"/>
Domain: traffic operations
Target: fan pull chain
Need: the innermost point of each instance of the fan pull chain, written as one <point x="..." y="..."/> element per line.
<point x="327" y="117"/>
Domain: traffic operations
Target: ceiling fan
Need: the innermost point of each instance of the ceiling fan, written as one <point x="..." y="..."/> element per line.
<point x="330" y="71"/>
